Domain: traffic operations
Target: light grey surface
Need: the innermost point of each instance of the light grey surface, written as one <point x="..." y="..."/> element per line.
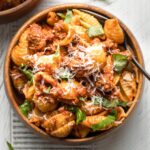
<point x="135" y="133"/>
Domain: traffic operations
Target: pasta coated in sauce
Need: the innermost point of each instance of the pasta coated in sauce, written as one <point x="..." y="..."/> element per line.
<point x="73" y="74"/>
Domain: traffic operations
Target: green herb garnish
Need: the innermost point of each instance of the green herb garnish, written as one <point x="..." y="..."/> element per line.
<point x="61" y="15"/>
<point x="26" y="107"/>
<point x="68" y="16"/>
<point x="82" y="99"/>
<point x="47" y="91"/>
<point x="10" y="146"/>
<point x="94" y="31"/>
<point x="114" y="103"/>
<point x="120" y="62"/>
<point x="113" y="113"/>
<point x="97" y="100"/>
<point x="27" y="72"/>
<point x="80" y="115"/>
<point x="104" y="123"/>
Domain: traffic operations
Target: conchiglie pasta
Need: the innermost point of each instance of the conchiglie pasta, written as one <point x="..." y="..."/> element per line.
<point x="19" y="80"/>
<point x="29" y="91"/>
<point x="95" y="119"/>
<point x="113" y="31"/>
<point x="64" y="122"/>
<point x="68" y="39"/>
<point x="20" y="52"/>
<point x="97" y="53"/>
<point x="80" y="131"/>
<point x="52" y="18"/>
<point x="86" y="20"/>
<point x="120" y="113"/>
<point x="81" y="31"/>
<point x="128" y="84"/>
<point x="45" y="103"/>
<point x="90" y="109"/>
<point x="75" y="20"/>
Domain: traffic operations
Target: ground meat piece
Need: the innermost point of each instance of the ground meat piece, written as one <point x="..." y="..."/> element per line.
<point x="110" y="45"/>
<point x="106" y="79"/>
<point x="36" y="38"/>
<point x="48" y="32"/>
<point x="59" y="26"/>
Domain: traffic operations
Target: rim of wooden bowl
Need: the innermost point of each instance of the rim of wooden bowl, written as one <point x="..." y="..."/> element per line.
<point x="11" y="93"/>
<point x="13" y="13"/>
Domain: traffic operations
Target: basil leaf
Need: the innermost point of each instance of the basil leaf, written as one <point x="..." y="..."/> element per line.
<point x="120" y="62"/>
<point x="71" y="108"/>
<point x="114" y="103"/>
<point x="61" y="15"/>
<point x="122" y="104"/>
<point x="80" y="116"/>
<point x="95" y="31"/>
<point x="97" y="100"/>
<point x="26" y="108"/>
<point x="27" y="72"/>
<point x="68" y="16"/>
<point x="104" y="123"/>
<point x="10" y="146"/>
<point x="110" y="104"/>
<point x="47" y="91"/>
<point x="113" y="113"/>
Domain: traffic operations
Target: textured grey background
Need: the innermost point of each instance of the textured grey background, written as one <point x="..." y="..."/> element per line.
<point x="134" y="134"/>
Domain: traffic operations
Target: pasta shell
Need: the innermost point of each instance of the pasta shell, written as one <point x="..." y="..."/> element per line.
<point x="68" y="39"/>
<point x="80" y="131"/>
<point x="45" y="103"/>
<point x="113" y="31"/>
<point x="20" y="52"/>
<point x="52" y="18"/>
<point x="86" y="19"/>
<point x="70" y="91"/>
<point x="128" y="84"/>
<point x="19" y="55"/>
<point x="35" y="117"/>
<point x="59" y="123"/>
<point x="75" y="20"/>
<point x="19" y="80"/>
<point x="116" y="78"/>
<point x="23" y="42"/>
<point x="91" y="120"/>
<point x="97" y="53"/>
<point x="90" y="109"/>
<point x="28" y="91"/>
<point x="64" y="130"/>
<point x="120" y="113"/>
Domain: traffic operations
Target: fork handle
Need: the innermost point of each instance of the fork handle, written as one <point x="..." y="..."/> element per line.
<point x="146" y="74"/>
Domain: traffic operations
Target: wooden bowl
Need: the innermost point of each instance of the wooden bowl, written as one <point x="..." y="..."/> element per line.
<point x="18" y="11"/>
<point x="12" y="95"/>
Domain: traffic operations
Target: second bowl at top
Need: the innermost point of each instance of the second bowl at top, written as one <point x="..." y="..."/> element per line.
<point x="14" y="13"/>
